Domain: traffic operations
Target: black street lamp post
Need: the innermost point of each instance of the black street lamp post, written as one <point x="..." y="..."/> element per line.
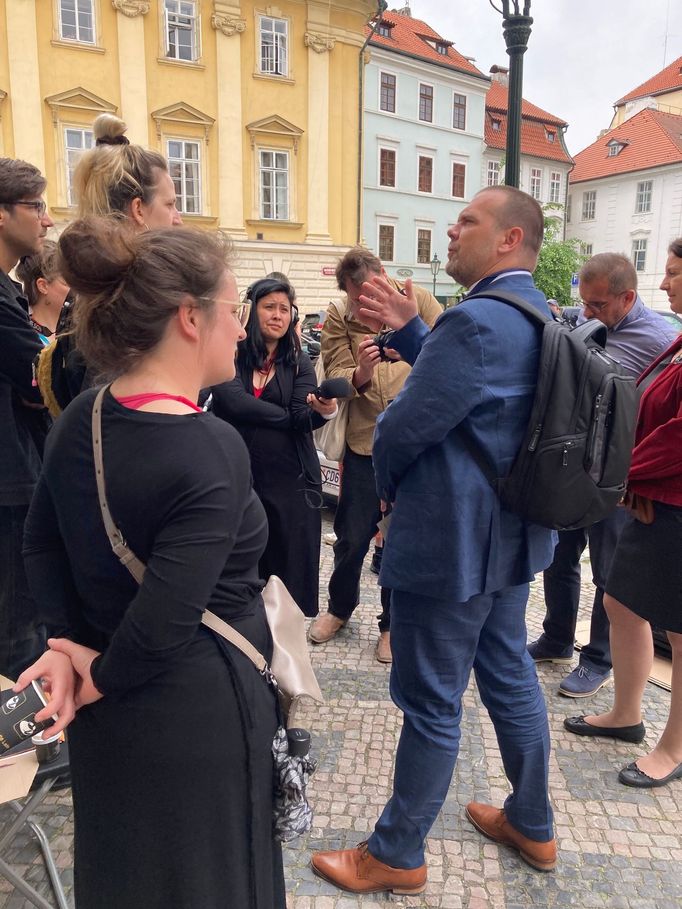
<point x="516" y="26"/>
<point x="435" y="268"/>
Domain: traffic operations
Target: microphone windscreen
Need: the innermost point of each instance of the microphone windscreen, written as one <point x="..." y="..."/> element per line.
<point x="335" y="388"/>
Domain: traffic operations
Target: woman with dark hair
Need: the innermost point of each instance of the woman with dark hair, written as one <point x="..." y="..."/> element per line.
<point x="271" y="403"/>
<point x="645" y="581"/>
<point x="171" y="744"/>
<point x="44" y="288"/>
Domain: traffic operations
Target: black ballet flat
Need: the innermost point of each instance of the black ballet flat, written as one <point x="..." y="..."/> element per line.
<point x="579" y="726"/>
<point x="633" y="776"/>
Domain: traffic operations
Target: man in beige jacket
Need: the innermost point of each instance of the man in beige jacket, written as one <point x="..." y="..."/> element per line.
<point x="349" y="352"/>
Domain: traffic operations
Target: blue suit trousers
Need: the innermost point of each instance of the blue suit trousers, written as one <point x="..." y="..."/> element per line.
<point x="435" y="645"/>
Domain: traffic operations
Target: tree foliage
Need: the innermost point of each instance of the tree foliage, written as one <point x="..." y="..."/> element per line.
<point x="558" y="260"/>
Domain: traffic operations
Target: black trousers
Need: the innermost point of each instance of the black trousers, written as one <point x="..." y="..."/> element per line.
<point x="562" y="591"/>
<point x="355" y="524"/>
<point x="22" y="639"/>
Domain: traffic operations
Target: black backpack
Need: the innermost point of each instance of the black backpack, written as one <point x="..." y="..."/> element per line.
<point x="572" y="466"/>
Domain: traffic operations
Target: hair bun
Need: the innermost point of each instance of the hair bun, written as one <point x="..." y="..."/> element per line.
<point x="95" y="255"/>
<point x="109" y="130"/>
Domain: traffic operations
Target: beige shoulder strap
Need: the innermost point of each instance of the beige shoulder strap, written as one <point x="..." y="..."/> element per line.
<point x="136" y="567"/>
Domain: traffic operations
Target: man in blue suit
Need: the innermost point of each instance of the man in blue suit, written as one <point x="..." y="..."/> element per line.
<point x="458" y="563"/>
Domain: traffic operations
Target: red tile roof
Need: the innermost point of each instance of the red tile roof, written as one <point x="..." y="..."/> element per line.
<point x="408" y="36"/>
<point x="535" y="125"/>
<point x="668" y="80"/>
<point x="650" y="139"/>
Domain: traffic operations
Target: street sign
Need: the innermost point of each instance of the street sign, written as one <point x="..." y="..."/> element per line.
<point x="328" y="271"/>
<point x="574" y="279"/>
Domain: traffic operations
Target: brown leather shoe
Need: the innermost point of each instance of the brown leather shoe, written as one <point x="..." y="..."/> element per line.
<point x="493" y="823"/>
<point x="383" y="648"/>
<point x="324" y="628"/>
<point x="357" y="871"/>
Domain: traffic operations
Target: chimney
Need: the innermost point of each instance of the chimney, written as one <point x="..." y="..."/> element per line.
<point x="500" y="74"/>
<point x="405" y="11"/>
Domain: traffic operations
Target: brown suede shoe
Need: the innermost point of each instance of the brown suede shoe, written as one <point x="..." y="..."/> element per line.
<point x="493" y="823"/>
<point x="383" y="648"/>
<point x="357" y="871"/>
<point x="324" y="628"/>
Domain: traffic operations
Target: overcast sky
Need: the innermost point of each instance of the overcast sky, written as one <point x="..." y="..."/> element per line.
<point x="582" y="54"/>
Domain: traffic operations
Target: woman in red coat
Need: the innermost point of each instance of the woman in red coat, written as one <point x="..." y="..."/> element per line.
<point x="644" y="587"/>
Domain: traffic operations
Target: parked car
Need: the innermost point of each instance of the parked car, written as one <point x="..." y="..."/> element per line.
<point x="331" y="479"/>
<point x="310" y="345"/>
<point x="673" y="318"/>
<point x="313" y="322"/>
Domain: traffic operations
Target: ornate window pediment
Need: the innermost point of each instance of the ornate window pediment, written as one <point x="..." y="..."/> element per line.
<point x="182" y="114"/>
<point x="274" y="126"/>
<point x="78" y="100"/>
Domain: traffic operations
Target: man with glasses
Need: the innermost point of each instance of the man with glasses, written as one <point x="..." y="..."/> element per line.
<point x="636" y="336"/>
<point x="23" y="225"/>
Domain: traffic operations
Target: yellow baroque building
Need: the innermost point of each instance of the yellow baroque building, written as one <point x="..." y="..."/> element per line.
<point x="255" y="105"/>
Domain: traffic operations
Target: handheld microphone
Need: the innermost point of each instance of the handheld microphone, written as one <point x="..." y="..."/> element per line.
<point x="334" y="388"/>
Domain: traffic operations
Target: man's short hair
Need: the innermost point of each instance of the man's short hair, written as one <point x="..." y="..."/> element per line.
<point x="19" y="179"/>
<point x="355" y="265"/>
<point x="615" y="267"/>
<point x="520" y="210"/>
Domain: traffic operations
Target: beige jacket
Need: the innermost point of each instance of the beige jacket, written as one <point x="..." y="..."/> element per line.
<point x="341" y="337"/>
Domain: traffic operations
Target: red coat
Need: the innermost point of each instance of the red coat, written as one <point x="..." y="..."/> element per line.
<point x="656" y="469"/>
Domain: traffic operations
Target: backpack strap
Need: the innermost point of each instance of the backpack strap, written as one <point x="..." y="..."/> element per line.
<point x="534" y="314"/>
<point x="514" y="300"/>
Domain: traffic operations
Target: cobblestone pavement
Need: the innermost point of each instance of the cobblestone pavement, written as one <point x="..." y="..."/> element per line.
<point x="618" y="848"/>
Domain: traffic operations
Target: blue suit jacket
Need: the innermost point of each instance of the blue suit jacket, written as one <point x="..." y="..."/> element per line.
<point x="449" y="536"/>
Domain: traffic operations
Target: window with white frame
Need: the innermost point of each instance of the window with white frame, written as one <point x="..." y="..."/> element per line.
<point x="274" y="42"/>
<point x="182" y="29"/>
<point x="274" y="185"/>
<point x="555" y="186"/>
<point x="459" y="172"/>
<point x="639" y="254"/>
<point x="76" y="141"/>
<point x="589" y="212"/>
<point x="423" y="246"/>
<point x="426" y="102"/>
<point x="643" y="198"/>
<point x="536" y="182"/>
<point x="586" y="249"/>
<point x="459" y="111"/>
<point x="425" y="175"/>
<point x="493" y="173"/>
<point x="387" y="158"/>
<point x="184" y="167"/>
<point x="386" y="242"/>
<point x="77" y="20"/>
<point x="384" y="30"/>
<point x="387" y="93"/>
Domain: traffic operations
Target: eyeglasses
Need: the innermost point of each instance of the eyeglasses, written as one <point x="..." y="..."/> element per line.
<point x="38" y="206"/>
<point x="598" y="307"/>
<point x="240" y="311"/>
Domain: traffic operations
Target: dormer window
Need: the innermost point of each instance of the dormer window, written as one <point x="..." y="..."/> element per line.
<point x="615" y="148"/>
<point x="384" y="29"/>
<point x="550" y="135"/>
<point x="496" y="125"/>
<point x="441" y="48"/>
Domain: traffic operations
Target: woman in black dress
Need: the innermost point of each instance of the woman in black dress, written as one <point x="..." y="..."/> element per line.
<point x="271" y="403"/>
<point x="644" y="586"/>
<point x="171" y="743"/>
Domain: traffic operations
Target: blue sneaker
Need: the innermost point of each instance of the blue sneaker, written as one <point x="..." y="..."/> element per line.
<point x="540" y="654"/>
<point x="583" y="682"/>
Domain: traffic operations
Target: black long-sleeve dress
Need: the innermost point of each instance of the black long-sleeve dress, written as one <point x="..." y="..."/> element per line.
<point x="172" y="769"/>
<point x="277" y="429"/>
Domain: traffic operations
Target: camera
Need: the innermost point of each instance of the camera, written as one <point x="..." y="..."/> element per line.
<point x="382" y="341"/>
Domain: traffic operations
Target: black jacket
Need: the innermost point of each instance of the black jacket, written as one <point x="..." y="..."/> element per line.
<point x="234" y="402"/>
<point x="22" y="428"/>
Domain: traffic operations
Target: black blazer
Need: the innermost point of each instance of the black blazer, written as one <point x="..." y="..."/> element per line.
<point x="235" y="402"/>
